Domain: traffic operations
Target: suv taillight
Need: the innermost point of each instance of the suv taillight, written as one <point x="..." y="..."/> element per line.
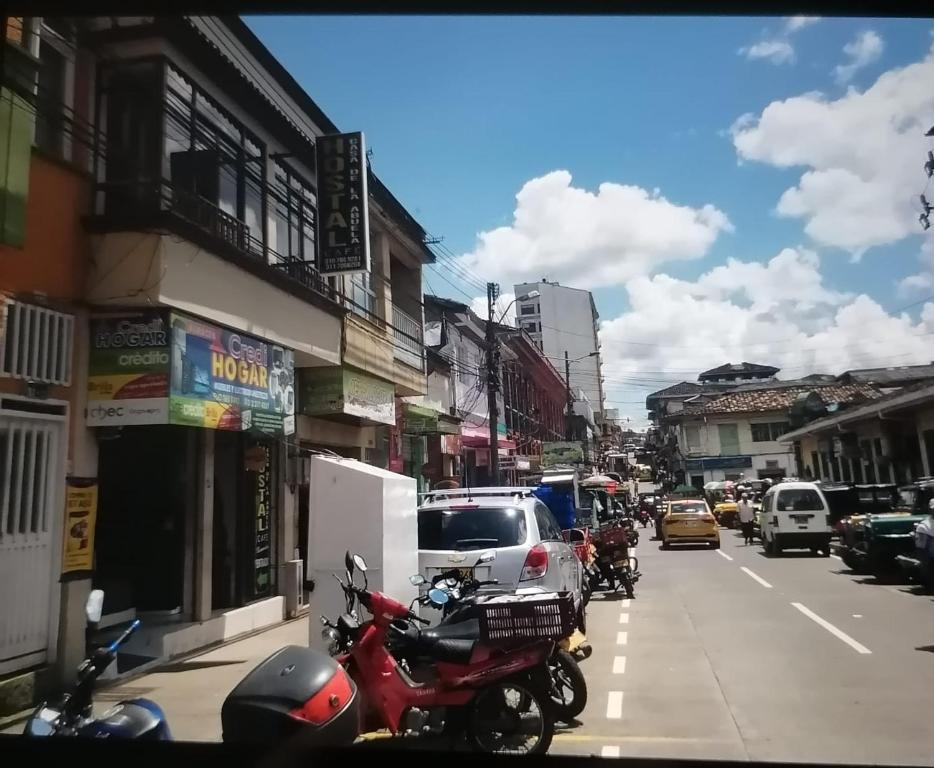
<point x="536" y="563"/>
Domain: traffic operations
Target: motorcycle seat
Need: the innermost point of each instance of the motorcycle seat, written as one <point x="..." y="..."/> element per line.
<point x="461" y="630"/>
<point x="443" y="649"/>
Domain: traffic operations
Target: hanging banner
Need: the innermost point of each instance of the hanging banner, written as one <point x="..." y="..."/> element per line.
<point x="343" y="218"/>
<point x="227" y="380"/>
<point x="128" y="369"/>
<point x="80" y="522"/>
<point x="258" y="463"/>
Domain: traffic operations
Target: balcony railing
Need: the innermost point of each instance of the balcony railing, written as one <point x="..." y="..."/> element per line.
<point x="409" y="347"/>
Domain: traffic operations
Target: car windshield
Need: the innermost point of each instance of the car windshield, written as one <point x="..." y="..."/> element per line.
<point x="470" y="528"/>
<point x="688" y="508"/>
<point x="799" y="500"/>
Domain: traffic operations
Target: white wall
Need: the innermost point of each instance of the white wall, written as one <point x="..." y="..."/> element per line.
<point x="568" y="324"/>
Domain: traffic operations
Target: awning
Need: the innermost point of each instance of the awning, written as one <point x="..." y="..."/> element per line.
<point x="483" y="441"/>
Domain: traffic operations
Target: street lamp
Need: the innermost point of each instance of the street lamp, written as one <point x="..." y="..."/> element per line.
<point x="492" y="368"/>
<point x="567" y="384"/>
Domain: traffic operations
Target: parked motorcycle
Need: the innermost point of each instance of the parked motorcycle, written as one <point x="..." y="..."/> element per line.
<point x="567" y="684"/>
<point x="617" y="567"/>
<point x="464" y="684"/>
<point x="71" y="715"/>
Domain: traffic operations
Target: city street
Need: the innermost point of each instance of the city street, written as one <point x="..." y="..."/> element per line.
<point x="722" y="655"/>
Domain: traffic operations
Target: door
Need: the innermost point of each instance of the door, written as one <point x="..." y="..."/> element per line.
<point x="558" y="576"/>
<point x="765" y="517"/>
<point x="31" y="478"/>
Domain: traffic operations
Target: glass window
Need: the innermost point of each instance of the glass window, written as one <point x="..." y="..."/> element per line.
<point x="799" y="500"/>
<point x="729" y="439"/>
<point x="548" y="528"/>
<point x="778" y="428"/>
<point x="688" y="508"/>
<point x="51" y="98"/>
<point x="293" y="200"/>
<point x="470" y="528"/>
<point x="692" y="437"/>
<point x="760" y="433"/>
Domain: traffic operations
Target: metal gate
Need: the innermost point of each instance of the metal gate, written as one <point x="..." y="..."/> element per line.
<point x="31" y="482"/>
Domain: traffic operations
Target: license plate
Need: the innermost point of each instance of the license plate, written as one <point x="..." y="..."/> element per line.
<point x="463" y="573"/>
<point x="801" y="519"/>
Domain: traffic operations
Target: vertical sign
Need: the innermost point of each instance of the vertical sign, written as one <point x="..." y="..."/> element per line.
<point x="80" y="520"/>
<point x="258" y="459"/>
<point x="343" y="219"/>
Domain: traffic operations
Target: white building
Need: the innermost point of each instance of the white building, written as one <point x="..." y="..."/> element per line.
<point x="565" y="320"/>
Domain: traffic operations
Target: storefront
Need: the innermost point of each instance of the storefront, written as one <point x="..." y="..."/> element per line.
<point x="430" y="446"/>
<point x="190" y="419"/>
<point x="476" y="442"/>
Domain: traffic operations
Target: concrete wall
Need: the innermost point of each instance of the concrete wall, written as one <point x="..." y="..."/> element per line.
<point x="568" y="324"/>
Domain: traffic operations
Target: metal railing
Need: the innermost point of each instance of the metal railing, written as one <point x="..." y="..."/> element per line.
<point x="408" y="341"/>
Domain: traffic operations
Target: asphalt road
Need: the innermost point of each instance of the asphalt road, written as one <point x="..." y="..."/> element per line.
<point x="734" y="655"/>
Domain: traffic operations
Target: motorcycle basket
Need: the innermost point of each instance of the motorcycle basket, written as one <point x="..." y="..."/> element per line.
<point x="507" y="618"/>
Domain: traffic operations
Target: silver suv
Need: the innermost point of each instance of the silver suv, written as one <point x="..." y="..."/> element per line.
<point x="457" y="527"/>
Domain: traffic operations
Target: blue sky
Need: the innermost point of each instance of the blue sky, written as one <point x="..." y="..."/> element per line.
<point x="461" y="112"/>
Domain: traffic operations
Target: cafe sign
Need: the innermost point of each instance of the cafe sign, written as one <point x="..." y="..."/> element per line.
<point x="343" y="219"/>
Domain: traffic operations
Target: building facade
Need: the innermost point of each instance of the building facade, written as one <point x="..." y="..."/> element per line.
<point x="565" y="324"/>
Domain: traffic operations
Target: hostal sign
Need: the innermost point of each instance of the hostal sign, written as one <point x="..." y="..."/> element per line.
<point x="343" y="221"/>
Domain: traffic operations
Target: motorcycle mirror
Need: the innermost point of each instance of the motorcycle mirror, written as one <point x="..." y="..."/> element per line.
<point x="437" y="596"/>
<point x="417" y="580"/>
<point x="349" y="561"/>
<point x="360" y="563"/>
<point x="94" y="607"/>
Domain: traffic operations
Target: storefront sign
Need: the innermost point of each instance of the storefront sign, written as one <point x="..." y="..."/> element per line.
<point x="128" y="369"/>
<point x="337" y="390"/>
<point x="719" y="462"/>
<point x="451" y="445"/>
<point x="562" y="453"/>
<point x="262" y="487"/>
<point x="226" y="380"/>
<point x="343" y="219"/>
<point x="80" y="521"/>
<point x="519" y="463"/>
<point x="420" y="420"/>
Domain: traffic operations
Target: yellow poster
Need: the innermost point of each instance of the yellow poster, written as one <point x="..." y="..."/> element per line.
<point x="80" y="519"/>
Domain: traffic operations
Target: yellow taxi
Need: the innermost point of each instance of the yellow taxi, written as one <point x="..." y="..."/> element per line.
<point x="689" y="521"/>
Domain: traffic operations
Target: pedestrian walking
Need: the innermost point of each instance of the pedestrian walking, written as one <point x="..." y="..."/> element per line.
<point x="745" y="512"/>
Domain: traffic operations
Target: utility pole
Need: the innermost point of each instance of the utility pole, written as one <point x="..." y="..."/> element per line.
<point x="567" y="384"/>
<point x="492" y="385"/>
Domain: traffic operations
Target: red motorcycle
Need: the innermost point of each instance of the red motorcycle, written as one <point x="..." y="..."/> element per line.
<point x="497" y="696"/>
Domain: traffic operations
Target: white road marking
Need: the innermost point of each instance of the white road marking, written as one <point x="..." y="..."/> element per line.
<point x="612" y="751"/>
<point x="836" y="557"/>
<point x="619" y="665"/>
<point x="614" y="705"/>
<point x="622" y="638"/>
<point x="723" y="554"/>
<point x="755" y="576"/>
<point x="857" y="615"/>
<point x="624" y="618"/>
<point x="624" y="602"/>
<point x="838" y="633"/>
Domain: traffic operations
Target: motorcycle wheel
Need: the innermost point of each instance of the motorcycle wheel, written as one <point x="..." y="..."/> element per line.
<point x="511" y="716"/>
<point x="626" y="583"/>
<point x="569" y="688"/>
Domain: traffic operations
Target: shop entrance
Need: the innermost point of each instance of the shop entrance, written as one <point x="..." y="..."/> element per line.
<point x="147" y="486"/>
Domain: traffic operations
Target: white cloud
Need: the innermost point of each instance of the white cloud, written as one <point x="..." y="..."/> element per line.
<point x="587" y="239"/>
<point x="923" y="280"/>
<point x="795" y="23"/>
<point x="778" y="49"/>
<point x="863" y="50"/>
<point x="779" y="313"/>
<point x="775" y="51"/>
<point x="505" y="309"/>
<point x="862" y="156"/>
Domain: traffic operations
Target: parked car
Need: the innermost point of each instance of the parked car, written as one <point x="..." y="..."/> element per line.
<point x="689" y="521"/>
<point x="847" y="500"/>
<point x="455" y="527"/>
<point x="919" y="564"/>
<point x="870" y="543"/>
<point x="795" y="515"/>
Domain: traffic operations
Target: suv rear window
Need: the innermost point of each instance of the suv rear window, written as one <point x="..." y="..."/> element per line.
<point x="471" y="528"/>
<point x="799" y="500"/>
<point x="688" y="508"/>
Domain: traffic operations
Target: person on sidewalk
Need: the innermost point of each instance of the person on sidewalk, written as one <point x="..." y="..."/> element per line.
<point x="746" y="514"/>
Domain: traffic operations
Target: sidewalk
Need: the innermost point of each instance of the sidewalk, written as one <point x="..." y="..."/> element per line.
<point x="192" y="691"/>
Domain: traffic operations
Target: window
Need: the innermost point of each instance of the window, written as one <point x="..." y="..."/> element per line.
<point x="55" y="87"/>
<point x="799" y="500"/>
<point x="688" y="508"/>
<point x="768" y="432"/>
<point x="692" y="438"/>
<point x="548" y="528"/>
<point x="362" y="295"/>
<point x="530" y="327"/>
<point x="471" y="528"/>
<point x="292" y="203"/>
<point x="528" y="309"/>
<point x="729" y="439"/>
<point x="815" y="464"/>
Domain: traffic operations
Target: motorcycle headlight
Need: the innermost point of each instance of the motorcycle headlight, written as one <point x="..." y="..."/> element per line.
<point x="332" y="640"/>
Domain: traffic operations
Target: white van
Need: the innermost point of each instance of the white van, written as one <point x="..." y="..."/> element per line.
<point x="795" y="515"/>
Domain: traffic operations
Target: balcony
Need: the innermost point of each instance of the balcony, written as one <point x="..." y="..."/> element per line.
<point x="409" y="347"/>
